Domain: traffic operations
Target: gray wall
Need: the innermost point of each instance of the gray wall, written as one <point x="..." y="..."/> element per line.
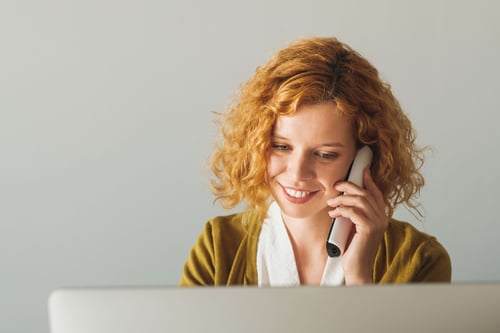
<point x="105" y="126"/>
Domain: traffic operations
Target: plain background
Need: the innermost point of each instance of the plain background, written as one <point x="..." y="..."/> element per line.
<point x="106" y="124"/>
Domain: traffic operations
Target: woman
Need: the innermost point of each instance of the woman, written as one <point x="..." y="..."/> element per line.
<point x="286" y="148"/>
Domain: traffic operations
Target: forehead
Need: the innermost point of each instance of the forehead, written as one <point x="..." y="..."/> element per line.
<point x="316" y="121"/>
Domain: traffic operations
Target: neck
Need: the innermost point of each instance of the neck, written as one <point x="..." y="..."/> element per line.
<point x="308" y="231"/>
<point x="308" y="237"/>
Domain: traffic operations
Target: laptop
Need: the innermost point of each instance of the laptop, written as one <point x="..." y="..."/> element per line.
<point x="411" y="308"/>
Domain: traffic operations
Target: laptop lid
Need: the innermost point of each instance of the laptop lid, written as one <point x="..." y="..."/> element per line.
<point x="377" y="308"/>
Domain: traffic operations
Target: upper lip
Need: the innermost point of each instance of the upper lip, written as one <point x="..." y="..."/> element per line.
<point x="296" y="188"/>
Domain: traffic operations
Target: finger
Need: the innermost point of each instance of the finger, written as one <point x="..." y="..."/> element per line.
<point x="358" y="209"/>
<point x="348" y="188"/>
<point x="352" y="213"/>
<point x="358" y="197"/>
<point x="364" y="221"/>
<point x="355" y="208"/>
<point x="348" y="200"/>
<point x="351" y="188"/>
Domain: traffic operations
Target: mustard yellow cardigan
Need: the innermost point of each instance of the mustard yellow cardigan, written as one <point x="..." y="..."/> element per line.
<point x="226" y="251"/>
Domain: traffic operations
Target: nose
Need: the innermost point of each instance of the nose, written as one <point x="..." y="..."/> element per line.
<point x="300" y="166"/>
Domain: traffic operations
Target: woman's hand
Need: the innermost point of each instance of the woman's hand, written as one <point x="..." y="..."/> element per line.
<point x="366" y="209"/>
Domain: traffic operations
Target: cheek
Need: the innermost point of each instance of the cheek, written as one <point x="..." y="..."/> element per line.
<point x="333" y="175"/>
<point x="273" y="166"/>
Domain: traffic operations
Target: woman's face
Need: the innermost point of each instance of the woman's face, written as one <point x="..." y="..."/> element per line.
<point x="310" y="151"/>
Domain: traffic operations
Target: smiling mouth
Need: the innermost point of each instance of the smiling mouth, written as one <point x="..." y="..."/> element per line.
<point x="295" y="193"/>
<point x="297" y="196"/>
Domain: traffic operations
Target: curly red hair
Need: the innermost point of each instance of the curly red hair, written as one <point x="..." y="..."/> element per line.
<point x="310" y="71"/>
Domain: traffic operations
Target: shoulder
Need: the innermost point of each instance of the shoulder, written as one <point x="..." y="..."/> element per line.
<point x="233" y="223"/>
<point x="232" y="228"/>
<point x="409" y="255"/>
<point x="403" y="234"/>
<point x="220" y="255"/>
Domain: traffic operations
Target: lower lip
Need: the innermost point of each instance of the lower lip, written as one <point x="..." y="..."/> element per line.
<point x="298" y="200"/>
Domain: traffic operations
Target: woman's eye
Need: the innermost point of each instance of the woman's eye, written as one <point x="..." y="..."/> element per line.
<point x="326" y="155"/>
<point x="279" y="146"/>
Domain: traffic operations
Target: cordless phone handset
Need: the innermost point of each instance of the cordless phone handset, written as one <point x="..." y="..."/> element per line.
<point x="341" y="227"/>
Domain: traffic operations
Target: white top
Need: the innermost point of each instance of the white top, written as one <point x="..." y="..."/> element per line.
<point x="276" y="264"/>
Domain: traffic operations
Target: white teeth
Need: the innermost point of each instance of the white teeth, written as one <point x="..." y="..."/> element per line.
<point x="295" y="193"/>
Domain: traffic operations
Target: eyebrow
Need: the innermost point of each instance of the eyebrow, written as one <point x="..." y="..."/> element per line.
<point x="326" y="144"/>
<point x="334" y="144"/>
